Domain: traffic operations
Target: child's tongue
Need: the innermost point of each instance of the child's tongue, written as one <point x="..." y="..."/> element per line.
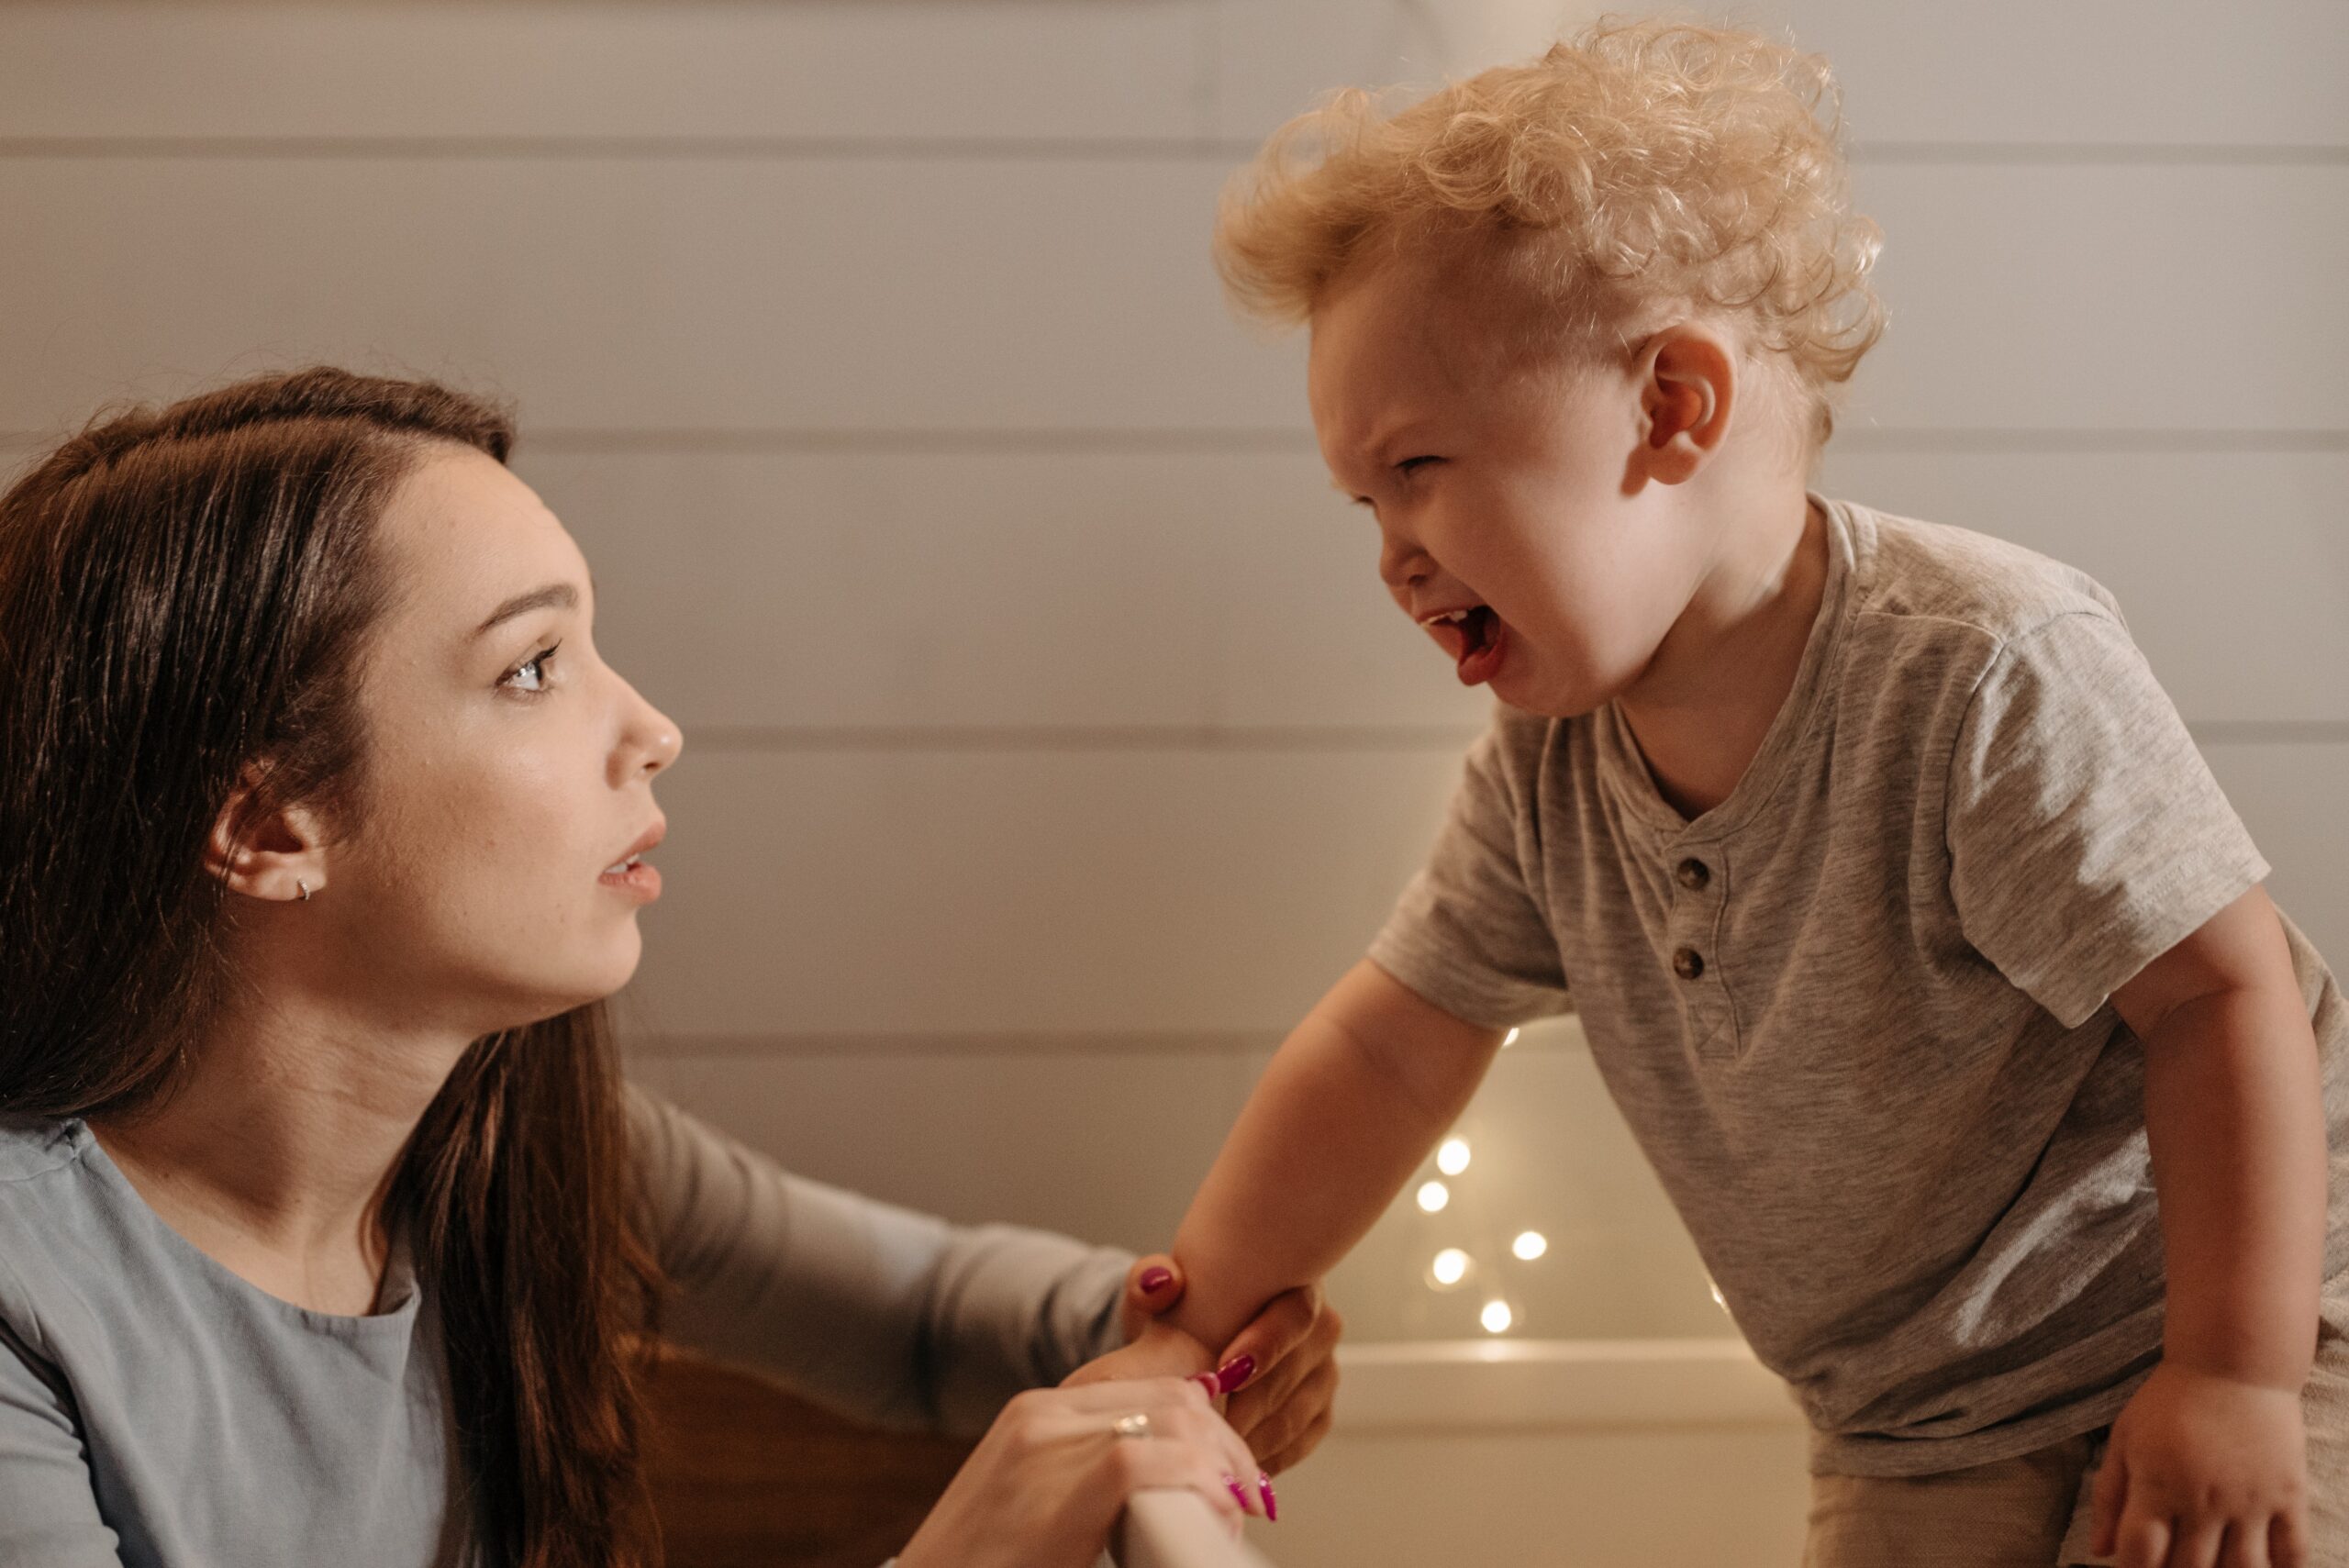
<point x="1476" y="645"/>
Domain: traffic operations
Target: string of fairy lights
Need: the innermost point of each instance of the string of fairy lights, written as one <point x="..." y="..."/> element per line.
<point x="1492" y="1260"/>
<point x="1455" y="1268"/>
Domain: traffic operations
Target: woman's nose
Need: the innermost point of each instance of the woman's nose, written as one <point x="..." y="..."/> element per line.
<point x="652" y="741"/>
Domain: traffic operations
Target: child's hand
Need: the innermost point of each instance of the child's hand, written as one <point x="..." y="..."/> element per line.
<point x="2199" y="1464"/>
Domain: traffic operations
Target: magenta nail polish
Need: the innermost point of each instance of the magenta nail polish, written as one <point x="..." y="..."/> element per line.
<point x="1155" y="1279"/>
<point x="1272" y="1504"/>
<point x="1235" y="1373"/>
<point x="1239" y="1493"/>
<point x="1207" y="1380"/>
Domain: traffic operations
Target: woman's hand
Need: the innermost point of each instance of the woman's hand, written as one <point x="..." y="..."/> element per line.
<point x="1281" y="1370"/>
<point x="1052" y="1475"/>
<point x="2203" y="1469"/>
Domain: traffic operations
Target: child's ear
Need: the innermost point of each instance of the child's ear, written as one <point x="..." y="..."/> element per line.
<point x="1687" y="381"/>
<point x="275" y="853"/>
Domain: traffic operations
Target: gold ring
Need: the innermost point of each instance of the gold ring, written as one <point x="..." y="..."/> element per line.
<point x="1134" y="1426"/>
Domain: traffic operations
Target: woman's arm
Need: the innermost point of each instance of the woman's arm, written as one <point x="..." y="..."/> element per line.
<point x="889" y="1316"/>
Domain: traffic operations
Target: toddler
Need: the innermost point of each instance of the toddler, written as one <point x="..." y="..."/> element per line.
<point x="1908" y="928"/>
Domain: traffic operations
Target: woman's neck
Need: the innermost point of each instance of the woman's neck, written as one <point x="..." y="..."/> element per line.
<point x="275" y="1154"/>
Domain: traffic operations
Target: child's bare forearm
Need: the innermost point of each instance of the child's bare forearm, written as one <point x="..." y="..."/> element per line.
<point x="2235" y="1115"/>
<point x="1352" y="1103"/>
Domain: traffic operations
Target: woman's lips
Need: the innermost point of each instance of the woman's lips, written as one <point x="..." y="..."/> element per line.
<point x="638" y="879"/>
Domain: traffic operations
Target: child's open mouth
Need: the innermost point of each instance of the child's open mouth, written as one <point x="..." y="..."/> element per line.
<point x="1474" y="636"/>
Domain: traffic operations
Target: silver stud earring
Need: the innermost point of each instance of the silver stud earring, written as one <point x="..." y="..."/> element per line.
<point x="304" y="887"/>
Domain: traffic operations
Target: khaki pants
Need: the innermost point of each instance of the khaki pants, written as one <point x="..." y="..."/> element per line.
<point x="2032" y="1512"/>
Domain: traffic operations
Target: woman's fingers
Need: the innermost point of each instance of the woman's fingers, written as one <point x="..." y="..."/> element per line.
<point x="1179" y="1421"/>
<point x="1271" y="1338"/>
<point x="1296" y="1359"/>
<point x="1285" y="1432"/>
<point x="1153" y="1285"/>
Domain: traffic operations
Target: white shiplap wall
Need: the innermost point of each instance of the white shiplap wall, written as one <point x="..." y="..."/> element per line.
<point x="1050" y="744"/>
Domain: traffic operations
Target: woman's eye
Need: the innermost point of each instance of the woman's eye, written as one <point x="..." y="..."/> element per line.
<point x="530" y="674"/>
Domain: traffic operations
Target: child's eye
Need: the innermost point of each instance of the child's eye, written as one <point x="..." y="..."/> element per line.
<point x="1412" y="463"/>
<point x="530" y="674"/>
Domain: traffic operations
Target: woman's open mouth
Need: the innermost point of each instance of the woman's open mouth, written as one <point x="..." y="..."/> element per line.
<point x="632" y="875"/>
<point x="1474" y="636"/>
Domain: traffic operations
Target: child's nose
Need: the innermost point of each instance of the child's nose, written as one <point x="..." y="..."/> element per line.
<point x="1404" y="565"/>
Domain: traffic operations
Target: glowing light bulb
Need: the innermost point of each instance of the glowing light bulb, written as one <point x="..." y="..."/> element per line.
<point x="1434" y="1196"/>
<point x="1511" y="1038"/>
<point x="1451" y="1267"/>
<point x="1453" y="1157"/>
<point x="1497" y="1318"/>
<point x="1530" y="1244"/>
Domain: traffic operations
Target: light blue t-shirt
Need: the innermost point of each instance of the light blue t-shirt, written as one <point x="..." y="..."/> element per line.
<point x="158" y="1411"/>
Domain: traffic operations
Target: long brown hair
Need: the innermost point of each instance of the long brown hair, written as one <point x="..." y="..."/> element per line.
<point x="185" y="594"/>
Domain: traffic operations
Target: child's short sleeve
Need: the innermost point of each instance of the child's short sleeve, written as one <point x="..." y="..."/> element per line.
<point x="1468" y="934"/>
<point x="2087" y="836"/>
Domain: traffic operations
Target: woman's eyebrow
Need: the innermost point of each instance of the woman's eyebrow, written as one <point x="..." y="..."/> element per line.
<point x="560" y="594"/>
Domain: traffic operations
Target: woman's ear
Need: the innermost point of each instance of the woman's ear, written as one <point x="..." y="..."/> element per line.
<point x="274" y="853"/>
<point x="1687" y="378"/>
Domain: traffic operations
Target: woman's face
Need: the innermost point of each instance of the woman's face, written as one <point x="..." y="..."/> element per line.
<point x="507" y="770"/>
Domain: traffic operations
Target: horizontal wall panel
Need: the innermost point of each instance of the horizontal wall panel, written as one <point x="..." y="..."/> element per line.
<point x="960" y="590"/>
<point x="716" y="296"/>
<point x="2008" y="72"/>
<point x="1107" y="1147"/>
<point x="2233" y="568"/>
<point x="2098" y="72"/>
<point x="955" y="590"/>
<point x="996" y="892"/>
<point x="2087" y="299"/>
<point x="645" y="294"/>
<point x="546" y="68"/>
<point x="842" y="893"/>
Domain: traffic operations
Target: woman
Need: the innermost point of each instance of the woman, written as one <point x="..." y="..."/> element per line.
<point x="326" y="1220"/>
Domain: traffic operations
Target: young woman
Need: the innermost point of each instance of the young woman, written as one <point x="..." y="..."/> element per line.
<point x="326" y="1221"/>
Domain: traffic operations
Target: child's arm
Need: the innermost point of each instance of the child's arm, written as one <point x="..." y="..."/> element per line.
<point x="1352" y="1102"/>
<point x="2234" y="1114"/>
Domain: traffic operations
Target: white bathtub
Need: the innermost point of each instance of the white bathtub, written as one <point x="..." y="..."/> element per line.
<point x="1589" y="1453"/>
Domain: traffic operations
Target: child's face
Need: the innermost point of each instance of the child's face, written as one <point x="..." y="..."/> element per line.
<point x="1521" y="495"/>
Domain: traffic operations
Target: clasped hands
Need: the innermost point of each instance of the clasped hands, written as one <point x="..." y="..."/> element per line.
<point x="1280" y="1374"/>
<point x="1046" y="1484"/>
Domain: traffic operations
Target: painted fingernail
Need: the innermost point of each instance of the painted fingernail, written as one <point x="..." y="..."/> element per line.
<point x="1239" y="1493"/>
<point x="1155" y="1279"/>
<point x="1272" y="1504"/>
<point x="1235" y="1373"/>
<point x="1207" y="1380"/>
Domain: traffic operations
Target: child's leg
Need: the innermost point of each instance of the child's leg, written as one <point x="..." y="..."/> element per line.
<point x="2011" y="1514"/>
<point x="2325" y="1405"/>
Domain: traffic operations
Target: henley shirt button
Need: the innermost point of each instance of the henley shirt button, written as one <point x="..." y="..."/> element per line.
<point x="1694" y="874"/>
<point x="1689" y="964"/>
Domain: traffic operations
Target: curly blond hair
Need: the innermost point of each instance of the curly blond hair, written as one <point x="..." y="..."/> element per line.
<point x="1634" y="170"/>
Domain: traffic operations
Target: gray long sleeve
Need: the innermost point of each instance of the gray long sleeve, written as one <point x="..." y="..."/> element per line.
<point x="871" y="1310"/>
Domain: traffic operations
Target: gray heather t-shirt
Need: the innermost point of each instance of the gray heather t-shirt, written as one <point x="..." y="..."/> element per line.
<point x="157" y="1409"/>
<point x="1856" y="1014"/>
